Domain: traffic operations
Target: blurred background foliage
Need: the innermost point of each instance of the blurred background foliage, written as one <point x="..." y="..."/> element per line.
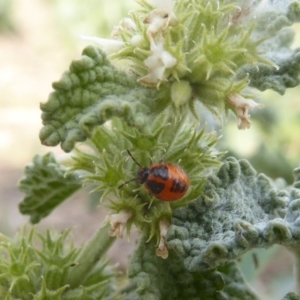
<point x="38" y="39"/>
<point x="6" y="21"/>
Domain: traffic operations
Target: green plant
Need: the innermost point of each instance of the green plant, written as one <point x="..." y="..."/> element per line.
<point x="146" y="93"/>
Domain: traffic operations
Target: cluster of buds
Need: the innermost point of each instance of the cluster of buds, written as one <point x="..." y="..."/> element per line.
<point x="162" y="45"/>
<point x="155" y="25"/>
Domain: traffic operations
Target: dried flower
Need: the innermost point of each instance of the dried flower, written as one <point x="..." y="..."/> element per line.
<point x="118" y="223"/>
<point x="241" y="105"/>
<point x="162" y="250"/>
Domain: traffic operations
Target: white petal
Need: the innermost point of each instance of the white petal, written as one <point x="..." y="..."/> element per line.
<point x="153" y="62"/>
<point x="108" y="45"/>
<point x="168" y="60"/>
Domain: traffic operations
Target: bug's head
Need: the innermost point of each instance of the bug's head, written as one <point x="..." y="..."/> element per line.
<point x="142" y="175"/>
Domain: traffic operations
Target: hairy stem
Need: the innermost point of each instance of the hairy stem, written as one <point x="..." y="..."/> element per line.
<point x="89" y="256"/>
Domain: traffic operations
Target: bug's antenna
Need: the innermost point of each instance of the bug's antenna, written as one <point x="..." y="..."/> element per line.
<point x="133" y="158"/>
<point x="120" y="186"/>
<point x="129" y="153"/>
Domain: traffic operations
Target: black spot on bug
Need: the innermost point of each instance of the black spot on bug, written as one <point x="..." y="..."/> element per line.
<point x="155" y="187"/>
<point x="178" y="186"/>
<point x="161" y="172"/>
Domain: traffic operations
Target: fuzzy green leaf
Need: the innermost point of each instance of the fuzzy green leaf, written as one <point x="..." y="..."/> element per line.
<point x="238" y="211"/>
<point x="286" y="76"/>
<point x="46" y="185"/>
<point x="91" y="93"/>
<point x="275" y="22"/>
<point x="168" y="279"/>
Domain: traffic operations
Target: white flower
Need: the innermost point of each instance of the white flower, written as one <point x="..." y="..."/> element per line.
<point x="118" y="223"/>
<point x="162" y="250"/>
<point x="160" y="18"/>
<point x="157" y="63"/>
<point x="108" y="45"/>
<point x="241" y="106"/>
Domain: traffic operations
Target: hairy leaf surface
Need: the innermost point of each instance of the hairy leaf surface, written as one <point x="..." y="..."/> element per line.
<point x="46" y="185"/>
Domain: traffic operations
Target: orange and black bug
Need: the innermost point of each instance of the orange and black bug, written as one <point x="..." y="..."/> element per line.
<point x="165" y="181"/>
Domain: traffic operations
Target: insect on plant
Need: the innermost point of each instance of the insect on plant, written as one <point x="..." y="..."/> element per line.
<point x="164" y="181"/>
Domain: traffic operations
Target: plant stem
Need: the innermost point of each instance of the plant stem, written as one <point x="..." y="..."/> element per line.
<point x="89" y="256"/>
